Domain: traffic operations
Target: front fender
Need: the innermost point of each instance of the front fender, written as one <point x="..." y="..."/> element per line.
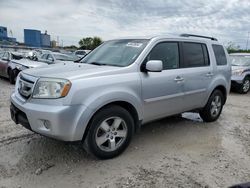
<point x="95" y="103"/>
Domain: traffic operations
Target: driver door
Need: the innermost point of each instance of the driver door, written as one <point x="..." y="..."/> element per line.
<point x="162" y="92"/>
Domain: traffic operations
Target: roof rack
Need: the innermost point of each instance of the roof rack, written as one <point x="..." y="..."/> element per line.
<point x="200" y="36"/>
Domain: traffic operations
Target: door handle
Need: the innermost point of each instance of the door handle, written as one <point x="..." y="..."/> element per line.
<point x="178" y="79"/>
<point x="209" y="74"/>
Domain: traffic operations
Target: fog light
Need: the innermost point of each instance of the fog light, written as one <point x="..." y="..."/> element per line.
<point x="46" y="124"/>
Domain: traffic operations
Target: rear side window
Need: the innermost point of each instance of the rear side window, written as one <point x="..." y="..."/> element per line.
<point x="219" y="54"/>
<point x="195" y="54"/>
<point x="168" y="53"/>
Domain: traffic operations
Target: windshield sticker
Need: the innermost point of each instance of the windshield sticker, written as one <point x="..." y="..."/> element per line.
<point x="134" y="44"/>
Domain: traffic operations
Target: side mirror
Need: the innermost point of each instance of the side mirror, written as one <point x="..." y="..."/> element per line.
<point x="154" y="66"/>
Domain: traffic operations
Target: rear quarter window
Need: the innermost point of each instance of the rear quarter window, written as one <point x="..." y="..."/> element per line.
<point x="220" y="54"/>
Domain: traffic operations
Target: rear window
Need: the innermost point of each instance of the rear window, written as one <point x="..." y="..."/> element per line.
<point x="219" y="54"/>
<point x="195" y="54"/>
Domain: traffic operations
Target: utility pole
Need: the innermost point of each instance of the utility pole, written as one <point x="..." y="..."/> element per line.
<point x="247" y="40"/>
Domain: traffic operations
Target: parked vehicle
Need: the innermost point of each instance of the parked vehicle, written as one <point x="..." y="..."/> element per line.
<point x="240" y="72"/>
<point x="81" y="53"/>
<point x="11" y="63"/>
<point x="121" y="85"/>
<point x="55" y="57"/>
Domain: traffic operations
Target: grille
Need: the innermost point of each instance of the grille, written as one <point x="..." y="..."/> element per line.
<point x="25" y="87"/>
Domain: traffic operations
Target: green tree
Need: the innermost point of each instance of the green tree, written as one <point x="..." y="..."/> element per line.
<point x="90" y="43"/>
<point x="232" y="47"/>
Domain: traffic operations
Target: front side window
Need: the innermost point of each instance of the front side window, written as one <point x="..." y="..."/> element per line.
<point x="120" y="53"/>
<point x="219" y="54"/>
<point x="167" y="52"/>
<point x="195" y="55"/>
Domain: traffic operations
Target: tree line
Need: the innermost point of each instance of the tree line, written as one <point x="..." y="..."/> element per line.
<point x="89" y="43"/>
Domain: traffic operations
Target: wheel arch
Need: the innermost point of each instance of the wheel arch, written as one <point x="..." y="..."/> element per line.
<point x="223" y="90"/>
<point x="122" y="103"/>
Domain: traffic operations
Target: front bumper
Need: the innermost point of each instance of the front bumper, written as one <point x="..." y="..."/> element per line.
<point x="237" y="79"/>
<point x="65" y="123"/>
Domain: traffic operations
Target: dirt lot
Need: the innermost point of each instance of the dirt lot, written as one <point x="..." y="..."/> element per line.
<point x="173" y="152"/>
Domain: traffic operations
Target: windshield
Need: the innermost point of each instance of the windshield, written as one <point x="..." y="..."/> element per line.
<point x="116" y="52"/>
<point x="240" y="60"/>
<point x="63" y="57"/>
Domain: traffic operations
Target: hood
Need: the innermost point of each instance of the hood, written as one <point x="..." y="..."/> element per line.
<point x="240" y="67"/>
<point x="71" y="70"/>
<point x="29" y="63"/>
<point x="60" y="61"/>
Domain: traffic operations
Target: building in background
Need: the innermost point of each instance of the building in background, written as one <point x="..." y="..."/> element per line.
<point x="35" y="38"/>
<point x="45" y="39"/>
<point x="32" y="37"/>
<point x="3" y="32"/>
<point x="53" y="44"/>
<point x="4" y="36"/>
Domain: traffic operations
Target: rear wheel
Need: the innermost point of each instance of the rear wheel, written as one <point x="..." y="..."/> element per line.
<point x="211" y="112"/>
<point x="110" y="132"/>
<point x="245" y="86"/>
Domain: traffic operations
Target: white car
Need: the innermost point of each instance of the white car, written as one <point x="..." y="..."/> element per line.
<point x="81" y="53"/>
<point x="55" y="57"/>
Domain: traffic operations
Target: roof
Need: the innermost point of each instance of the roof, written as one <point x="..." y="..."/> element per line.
<point x="240" y="54"/>
<point x="175" y="37"/>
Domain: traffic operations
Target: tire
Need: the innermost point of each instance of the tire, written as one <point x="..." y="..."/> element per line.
<point x="12" y="77"/>
<point x="245" y="86"/>
<point x="110" y="132"/>
<point x="211" y="112"/>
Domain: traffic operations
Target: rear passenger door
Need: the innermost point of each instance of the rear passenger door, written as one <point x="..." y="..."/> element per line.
<point x="162" y="92"/>
<point x="197" y="74"/>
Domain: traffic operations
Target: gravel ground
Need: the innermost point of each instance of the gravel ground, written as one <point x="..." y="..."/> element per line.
<point x="173" y="152"/>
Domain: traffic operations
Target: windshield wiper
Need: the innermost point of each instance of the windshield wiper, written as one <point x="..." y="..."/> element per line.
<point x="99" y="64"/>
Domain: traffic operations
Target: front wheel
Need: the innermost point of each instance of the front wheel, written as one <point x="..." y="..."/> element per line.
<point x="245" y="86"/>
<point x="211" y="112"/>
<point x="110" y="132"/>
<point x="12" y="77"/>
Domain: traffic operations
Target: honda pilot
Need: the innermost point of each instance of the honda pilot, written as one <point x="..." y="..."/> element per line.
<point x="122" y="84"/>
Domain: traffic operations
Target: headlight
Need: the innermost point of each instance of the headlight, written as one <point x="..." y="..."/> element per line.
<point x="237" y="72"/>
<point x="51" y="88"/>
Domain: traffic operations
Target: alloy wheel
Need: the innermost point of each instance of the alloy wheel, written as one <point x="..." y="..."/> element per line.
<point x="111" y="134"/>
<point x="246" y="85"/>
<point x="216" y="106"/>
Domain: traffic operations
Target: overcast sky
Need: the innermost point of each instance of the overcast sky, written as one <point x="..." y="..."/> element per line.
<point x="228" y="20"/>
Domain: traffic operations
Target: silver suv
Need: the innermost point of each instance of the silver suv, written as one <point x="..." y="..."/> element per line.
<point x="240" y="80"/>
<point x="121" y="85"/>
